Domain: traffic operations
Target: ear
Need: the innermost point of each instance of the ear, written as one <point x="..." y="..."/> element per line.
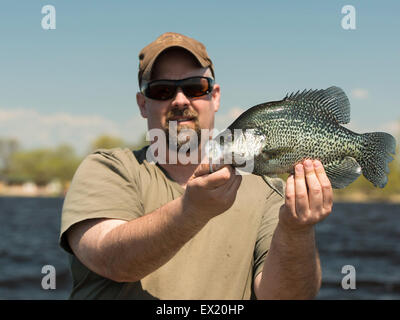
<point x="216" y="95"/>
<point x="141" y="102"/>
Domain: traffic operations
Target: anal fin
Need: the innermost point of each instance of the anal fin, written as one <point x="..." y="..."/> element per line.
<point x="342" y="173"/>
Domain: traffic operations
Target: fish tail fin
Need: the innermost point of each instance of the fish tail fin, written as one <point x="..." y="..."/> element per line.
<point x="376" y="157"/>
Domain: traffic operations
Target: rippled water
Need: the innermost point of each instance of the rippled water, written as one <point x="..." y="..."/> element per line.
<point x="365" y="236"/>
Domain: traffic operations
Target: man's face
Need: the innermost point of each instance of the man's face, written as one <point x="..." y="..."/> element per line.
<point x="190" y="113"/>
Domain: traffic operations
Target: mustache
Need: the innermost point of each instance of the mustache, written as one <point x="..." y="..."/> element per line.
<point x="181" y="113"/>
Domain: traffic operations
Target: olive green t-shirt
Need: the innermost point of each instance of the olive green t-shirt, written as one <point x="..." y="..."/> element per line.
<point x="219" y="262"/>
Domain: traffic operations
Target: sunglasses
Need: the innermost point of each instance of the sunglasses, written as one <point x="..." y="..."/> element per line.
<point x="166" y="89"/>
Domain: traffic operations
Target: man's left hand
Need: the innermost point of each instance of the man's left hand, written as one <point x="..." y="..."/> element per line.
<point x="308" y="198"/>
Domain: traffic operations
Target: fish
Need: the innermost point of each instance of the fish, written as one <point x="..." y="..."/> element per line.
<point x="277" y="135"/>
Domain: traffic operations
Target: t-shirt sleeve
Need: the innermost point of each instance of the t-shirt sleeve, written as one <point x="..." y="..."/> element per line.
<point x="267" y="228"/>
<point x="104" y="186"/>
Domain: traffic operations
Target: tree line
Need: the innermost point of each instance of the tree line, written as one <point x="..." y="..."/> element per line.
<point x="44" y="165"/>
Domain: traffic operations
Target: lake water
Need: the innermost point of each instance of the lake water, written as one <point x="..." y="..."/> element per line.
<point x="364" y="236"/>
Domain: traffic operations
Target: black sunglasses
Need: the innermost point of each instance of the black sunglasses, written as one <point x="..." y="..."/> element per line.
<point x="166" y="89"/>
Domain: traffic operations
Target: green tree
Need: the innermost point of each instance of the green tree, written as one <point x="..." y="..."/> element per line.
<point x="43" y="165"/>
<point x="64" y="163"/>
<point x="7" y="148"/>
<point x="140" y="143"/>
<point x="107" y="142"/>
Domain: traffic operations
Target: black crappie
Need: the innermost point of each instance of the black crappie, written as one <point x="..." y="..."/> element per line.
<point x="307" y="125"/>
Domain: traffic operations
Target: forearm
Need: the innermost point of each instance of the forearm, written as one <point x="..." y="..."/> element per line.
<point x="136" y="248"/>
<point x="128" y="251"/>
<point x="292" y="268"/>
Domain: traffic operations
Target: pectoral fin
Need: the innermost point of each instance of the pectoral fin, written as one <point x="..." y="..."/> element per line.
<point x="273" y="153"/>
<point x="276" y="184"/>
<point x="342" y="173"/>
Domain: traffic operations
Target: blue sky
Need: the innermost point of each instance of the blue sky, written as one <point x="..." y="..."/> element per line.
<point x="73" y="83"/>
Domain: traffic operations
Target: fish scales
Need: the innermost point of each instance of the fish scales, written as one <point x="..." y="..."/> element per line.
<point x="308" y="125"/>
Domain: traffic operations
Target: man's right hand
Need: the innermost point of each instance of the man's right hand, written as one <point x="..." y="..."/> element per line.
<point x="210" y="194"/>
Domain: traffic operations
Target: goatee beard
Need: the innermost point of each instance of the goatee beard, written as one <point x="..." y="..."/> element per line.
<point x="178" y="135"/>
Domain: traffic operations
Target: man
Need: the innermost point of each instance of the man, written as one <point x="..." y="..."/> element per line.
<point x="136" y="229"/>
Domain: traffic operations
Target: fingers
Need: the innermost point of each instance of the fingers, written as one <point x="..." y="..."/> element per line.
<point x="301" y="198"/>
<point x="326" y="187"/>
<point x="204" y="168"/>
<point x="314" y="187"/>
<point x="233" y="184"/>
<point x="223" y="175"/>
<point x="308" y="196"/>
<point x="311" y="179"/>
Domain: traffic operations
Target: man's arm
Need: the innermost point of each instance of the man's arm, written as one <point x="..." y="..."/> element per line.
<point x="292" y="268"/>
<point x="128" y="251"/>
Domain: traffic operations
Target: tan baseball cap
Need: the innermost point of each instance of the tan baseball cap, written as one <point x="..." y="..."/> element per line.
<point x="149" y="54"/>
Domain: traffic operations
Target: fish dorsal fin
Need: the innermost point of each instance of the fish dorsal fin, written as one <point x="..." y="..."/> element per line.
<point x="332" y="99"/>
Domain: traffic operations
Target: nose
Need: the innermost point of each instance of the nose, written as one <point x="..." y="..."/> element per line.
<point x="180" y="101"/>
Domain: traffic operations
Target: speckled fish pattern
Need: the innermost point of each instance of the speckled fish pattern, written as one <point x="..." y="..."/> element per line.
<point x="308" y="125"/>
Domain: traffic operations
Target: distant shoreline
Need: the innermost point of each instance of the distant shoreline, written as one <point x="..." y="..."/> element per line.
<point x="365" y="198"/>
<point x="3" y="195"/>
<point x="31" y="190"/>
<point x="350" y="198"/>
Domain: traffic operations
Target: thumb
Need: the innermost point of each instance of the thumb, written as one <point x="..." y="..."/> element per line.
<point x="206" y="168"/>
